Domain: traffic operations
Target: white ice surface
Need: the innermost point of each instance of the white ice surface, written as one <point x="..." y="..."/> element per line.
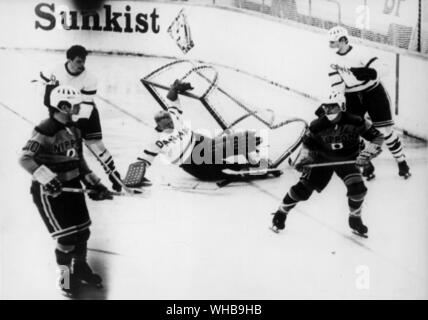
<point x="217" y="245"/>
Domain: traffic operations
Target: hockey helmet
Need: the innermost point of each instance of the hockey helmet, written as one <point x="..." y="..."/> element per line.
<point x="65" y="95"/>
<point x="164" y="120"/>
<point x="336" y="33"/>
<point x="335" y="103"/>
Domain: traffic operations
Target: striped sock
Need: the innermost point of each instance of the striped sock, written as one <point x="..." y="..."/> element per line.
<point x="394" y="145"/>
<point x="355" y="207"/>
<point x="287" y="204"/>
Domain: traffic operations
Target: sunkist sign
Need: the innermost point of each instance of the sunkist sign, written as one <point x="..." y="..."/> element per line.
<point x="50" y="16"/>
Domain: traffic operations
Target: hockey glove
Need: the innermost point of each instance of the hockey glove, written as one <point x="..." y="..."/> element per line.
<point x="304" y="158"/>
<point x="51" y="185"/>
<point x="370" y="151"/>
<point x="319" y="112"/>
<point x="364" y="74"/>
<point x="178" y="87"/>
<point x="114" y="178"/>
<point x="98" y="190"/>
<point x="181" y="86"/>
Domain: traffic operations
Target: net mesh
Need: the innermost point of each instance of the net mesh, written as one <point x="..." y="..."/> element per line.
<point x="212" y="109"/>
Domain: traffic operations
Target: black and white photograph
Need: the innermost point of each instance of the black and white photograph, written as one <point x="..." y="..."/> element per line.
<point x="183" y="150"/>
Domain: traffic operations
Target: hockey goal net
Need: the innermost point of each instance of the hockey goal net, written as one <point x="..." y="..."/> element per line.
<point x="213" y="110"/>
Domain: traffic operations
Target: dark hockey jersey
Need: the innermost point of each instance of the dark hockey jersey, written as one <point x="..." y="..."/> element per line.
<point x="57" y="146"/>
<point x="340" y="140"/>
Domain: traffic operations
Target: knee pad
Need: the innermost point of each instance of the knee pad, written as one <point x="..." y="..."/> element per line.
<point x="301" y="191"/>
<point x="75" y="238"/>
<point x="356" y="191"/>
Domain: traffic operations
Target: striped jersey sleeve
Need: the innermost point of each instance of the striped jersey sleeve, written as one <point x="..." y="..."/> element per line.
<point x="89" y="89"/>
<point x="30" y="150"/>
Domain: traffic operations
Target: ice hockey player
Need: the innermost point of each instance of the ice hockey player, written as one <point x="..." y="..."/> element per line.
<point x="333" y="137"/>
<point x="74" y="73"/>
<point x="358" y="74"/>
<point x="203" y="157"/>
<point x="54" y="158"/>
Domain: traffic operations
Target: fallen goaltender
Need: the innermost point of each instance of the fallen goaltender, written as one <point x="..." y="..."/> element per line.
<point x="205" y="158"/>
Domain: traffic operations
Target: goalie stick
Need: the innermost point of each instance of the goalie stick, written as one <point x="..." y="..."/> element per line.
<point x="273" y="171"/>
<point x="248" y="175"/>
<point x="114" y="193"/>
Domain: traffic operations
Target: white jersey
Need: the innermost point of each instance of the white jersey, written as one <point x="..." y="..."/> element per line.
<point x="85" y="82"/>
<point x="176" y="145"/>
<point x="341" y="77"/>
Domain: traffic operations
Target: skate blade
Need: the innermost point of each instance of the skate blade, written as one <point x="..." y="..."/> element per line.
<point x="69" y="295"/>
<point x="274" y="229"/>
<point x="406" y="176"/>
<point x="360" y="234"/>
<point x="91" y="285"/>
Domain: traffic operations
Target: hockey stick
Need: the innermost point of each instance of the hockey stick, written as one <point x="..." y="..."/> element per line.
<point x="329" y="164"/>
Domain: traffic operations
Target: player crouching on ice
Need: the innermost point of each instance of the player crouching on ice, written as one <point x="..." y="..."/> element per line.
<point x="54" y="157"/>
<point x="333" y="138"/>
<point x="203" y="157"/>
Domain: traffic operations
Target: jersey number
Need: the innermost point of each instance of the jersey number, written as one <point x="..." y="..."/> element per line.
<point x="336" y="146"/>
<point x="71" y="153"/>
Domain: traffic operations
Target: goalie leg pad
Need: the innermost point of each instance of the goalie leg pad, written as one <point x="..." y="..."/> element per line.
<point x="135" y="176"/>
<point x="239" y="143"/>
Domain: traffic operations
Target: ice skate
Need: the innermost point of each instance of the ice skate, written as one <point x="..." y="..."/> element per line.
<point x="403" y="169"/>
<point x="356" y="224"/>
<point x="278" y="221"/>
<point x="83" y="272"/>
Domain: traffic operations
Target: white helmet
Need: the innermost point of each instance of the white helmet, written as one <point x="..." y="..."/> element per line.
<point x="337" y="32"/>
<point x="337" y="98"/>
<point x="66" y="94"/>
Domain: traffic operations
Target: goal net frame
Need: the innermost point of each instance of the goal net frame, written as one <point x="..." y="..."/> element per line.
<point x="152" y="87"/>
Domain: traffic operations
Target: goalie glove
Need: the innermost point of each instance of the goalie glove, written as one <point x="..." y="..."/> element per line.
<point x="178" y="87"/>
<point x="364" y="74"/>
<point x="98" y="190"/>
<point x="135" y="176"/>
<point x="304" y="158"/>
<point x="370" y="151"/>
<point x="49" y="180"/>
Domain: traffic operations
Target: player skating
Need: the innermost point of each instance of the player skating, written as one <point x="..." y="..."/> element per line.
<point x="54" y="158"/>
<point x="203" y="157"/>
<point x="335" y="136"/>
<point x="359" y="74"/>
<point x="74" y="73"/>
